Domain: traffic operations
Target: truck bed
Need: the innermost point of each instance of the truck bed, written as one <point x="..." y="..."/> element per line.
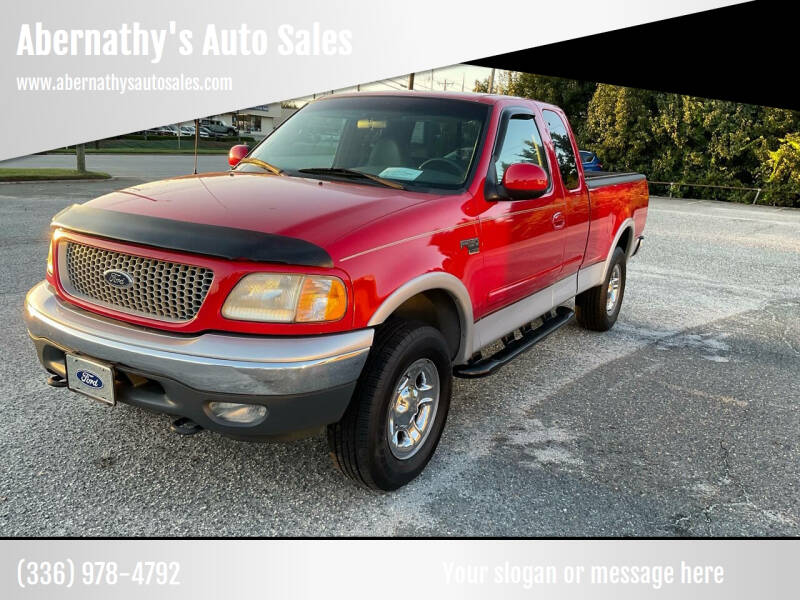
<point x="607" y="193"/>
<point x="596" y="179"/>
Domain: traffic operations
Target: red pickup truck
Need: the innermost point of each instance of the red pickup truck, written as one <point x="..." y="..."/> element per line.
<point x="340" y="274"/>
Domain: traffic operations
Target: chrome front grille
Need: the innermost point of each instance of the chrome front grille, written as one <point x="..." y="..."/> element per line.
<point x="157" y="289"/>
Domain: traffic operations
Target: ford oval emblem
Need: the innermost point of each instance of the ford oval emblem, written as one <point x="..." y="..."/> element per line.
<point x="118" y="278"/>
<point x="90" y="379"/>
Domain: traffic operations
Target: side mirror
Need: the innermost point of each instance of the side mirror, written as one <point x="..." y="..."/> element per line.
<point x="525" y="180"/>
<point x="237" y="153"/>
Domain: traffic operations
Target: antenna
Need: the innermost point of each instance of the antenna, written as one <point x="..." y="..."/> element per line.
<point x="196" y="139"/>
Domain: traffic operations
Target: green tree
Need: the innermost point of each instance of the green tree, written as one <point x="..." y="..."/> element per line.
<point x="671" y="137"/>
<point x="571" y="95"/>
<point x="481" y="87"/>
<point x="716" y="142"/>
<point x="783" y="180"/>
<point x="619" y="127"/>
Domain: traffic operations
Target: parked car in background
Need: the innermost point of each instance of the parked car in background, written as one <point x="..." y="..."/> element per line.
<point x="188" y="130"/>
<point x="340" y="276"/>
<point x="590" y="161"/>
<point x="157" y="131"/>
<point x="218" y="128"/>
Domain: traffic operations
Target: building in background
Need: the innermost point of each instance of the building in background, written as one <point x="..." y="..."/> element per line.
<point x="257" y="121"/>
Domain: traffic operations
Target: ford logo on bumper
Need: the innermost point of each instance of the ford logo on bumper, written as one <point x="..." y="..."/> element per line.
<point x="117" y="278"/>
<point x="90" y="379"/>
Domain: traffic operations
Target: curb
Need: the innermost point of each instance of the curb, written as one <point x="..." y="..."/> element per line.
<point x="95" y="180"/>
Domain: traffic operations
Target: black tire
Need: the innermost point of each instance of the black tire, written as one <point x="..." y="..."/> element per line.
<point x="591" y="305"/>
<point x="358" y="443"/>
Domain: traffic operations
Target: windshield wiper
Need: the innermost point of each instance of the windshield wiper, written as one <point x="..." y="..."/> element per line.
<point x="264" y="165"/>
<point x="351" y="174"/>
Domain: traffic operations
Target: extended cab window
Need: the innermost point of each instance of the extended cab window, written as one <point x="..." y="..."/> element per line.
<point x="415" y="141"/>
<point x="565" y="154"/>
<point x="521" y="144"/>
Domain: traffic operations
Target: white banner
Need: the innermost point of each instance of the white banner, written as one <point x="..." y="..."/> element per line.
<point x="400" y="569"/>
<point x="72" y="72"/>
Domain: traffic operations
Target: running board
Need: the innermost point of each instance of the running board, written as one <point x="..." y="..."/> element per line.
<point x="484" y="367"/>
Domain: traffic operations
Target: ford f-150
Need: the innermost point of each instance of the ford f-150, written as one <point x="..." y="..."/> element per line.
<point x="340" y="274"/>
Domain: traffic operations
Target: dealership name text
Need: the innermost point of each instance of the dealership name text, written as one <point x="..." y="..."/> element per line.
<point x="131" y="39"/>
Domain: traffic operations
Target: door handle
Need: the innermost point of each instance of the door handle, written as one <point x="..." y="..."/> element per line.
<point x="559" y="220"/>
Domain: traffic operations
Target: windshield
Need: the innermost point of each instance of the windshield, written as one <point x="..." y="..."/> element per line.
<point x="415" y="141"/>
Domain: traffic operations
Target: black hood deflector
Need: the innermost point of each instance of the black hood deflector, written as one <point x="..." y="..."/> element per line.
<point x="194" y="238"/>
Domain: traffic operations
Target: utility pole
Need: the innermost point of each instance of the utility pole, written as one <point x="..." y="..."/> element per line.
<point x="81" y="156"/>
<point x="491" y="82"/>
<point x="411" y="81"/>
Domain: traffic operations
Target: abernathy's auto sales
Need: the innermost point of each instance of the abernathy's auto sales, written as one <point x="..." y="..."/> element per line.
<point x="131" y="39"/>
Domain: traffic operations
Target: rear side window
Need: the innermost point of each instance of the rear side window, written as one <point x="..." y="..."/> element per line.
<point x="565" y="155"/>
<point x="521" y="144"/>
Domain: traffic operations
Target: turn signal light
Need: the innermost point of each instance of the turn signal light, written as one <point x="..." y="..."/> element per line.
<point x="57" y="234"/>
<point x="321" y="299"/>
<point x="50" y="259"/>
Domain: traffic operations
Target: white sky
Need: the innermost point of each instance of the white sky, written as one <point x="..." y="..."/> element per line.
<point x="446" y="78"/>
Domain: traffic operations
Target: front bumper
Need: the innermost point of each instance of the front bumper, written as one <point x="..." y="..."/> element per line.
<point x="305" y="382"/>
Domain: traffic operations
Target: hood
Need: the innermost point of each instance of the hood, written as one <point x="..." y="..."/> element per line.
<point x="313" y="210"/>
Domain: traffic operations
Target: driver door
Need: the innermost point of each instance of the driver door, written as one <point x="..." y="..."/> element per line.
<point x="521" y="240"/>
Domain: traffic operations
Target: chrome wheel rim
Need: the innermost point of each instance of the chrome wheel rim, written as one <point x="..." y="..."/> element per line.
<point x="614" y="284"/>
<point x="412" y="409"/>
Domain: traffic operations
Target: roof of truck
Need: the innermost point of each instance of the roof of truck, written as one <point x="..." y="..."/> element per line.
<point x="468" y="96"/>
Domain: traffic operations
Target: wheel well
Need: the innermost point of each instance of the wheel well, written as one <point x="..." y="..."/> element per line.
<point x="437" y="309"/>
<point x="625" y="240"/>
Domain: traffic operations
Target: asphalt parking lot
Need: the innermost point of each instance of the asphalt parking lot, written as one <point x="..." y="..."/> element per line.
<point x="683" y="420"/>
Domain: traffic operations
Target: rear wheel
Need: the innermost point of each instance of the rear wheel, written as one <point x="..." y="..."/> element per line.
<point x="395" y="419"/>
<point x="598" y="308"/>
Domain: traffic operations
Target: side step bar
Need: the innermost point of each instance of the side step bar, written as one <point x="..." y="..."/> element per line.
<point x="514" y="348"/>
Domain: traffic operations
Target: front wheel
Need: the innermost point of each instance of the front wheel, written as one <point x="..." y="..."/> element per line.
<point x="395" y="419"/>
<point x="598" y="308"/>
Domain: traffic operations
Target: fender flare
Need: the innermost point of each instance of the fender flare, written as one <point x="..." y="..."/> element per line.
<point x="595" y="274"/>
<point x="624" y="226"/>
<point x="437" y="280"/>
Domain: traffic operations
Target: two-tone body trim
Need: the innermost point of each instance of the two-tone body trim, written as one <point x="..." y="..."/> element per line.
<point x="478" y="335"/>
<point x="592" y="275"/>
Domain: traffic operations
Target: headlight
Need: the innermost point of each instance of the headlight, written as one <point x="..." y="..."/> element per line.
<point x="286" y="298"/>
